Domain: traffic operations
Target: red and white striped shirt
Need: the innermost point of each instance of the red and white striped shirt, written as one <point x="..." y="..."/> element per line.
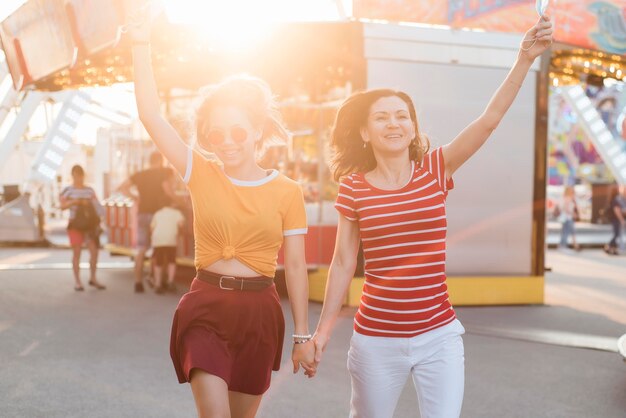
<point x="404" y="245"/>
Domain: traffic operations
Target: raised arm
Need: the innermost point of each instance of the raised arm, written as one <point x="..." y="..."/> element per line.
<point x="340" y="274"/>
<point x="535" y="42"/>
<point x="162" y="133"/>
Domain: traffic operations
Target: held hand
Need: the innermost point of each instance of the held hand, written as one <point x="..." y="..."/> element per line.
<point x="538" y="39"/>
<point x="320" y="340"/>
<point x="304" y="354"/>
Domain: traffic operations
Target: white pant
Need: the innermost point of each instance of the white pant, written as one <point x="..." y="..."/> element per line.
<point x="380" y="366"/>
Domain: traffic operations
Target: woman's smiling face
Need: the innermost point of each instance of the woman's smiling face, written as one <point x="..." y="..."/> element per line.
<point x="231" y="136"/>
<point x="389" y="128"/>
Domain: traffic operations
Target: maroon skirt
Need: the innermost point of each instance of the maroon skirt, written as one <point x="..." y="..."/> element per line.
<point x="235" y="335"/>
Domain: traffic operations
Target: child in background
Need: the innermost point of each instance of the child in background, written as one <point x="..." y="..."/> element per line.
<point x="165" y="226"/>
<point x="568" y="215"/>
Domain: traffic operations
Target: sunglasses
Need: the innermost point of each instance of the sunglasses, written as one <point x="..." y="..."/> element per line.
<point x="217" y="137"/>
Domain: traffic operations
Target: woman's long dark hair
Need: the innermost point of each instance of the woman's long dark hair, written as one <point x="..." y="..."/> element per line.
<point x="349" y="154"/>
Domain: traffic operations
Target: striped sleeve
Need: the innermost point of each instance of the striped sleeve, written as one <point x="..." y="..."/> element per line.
<point x="435" y="164"/>
<point x="345" y="203"/>
<point x="65" y="192"/>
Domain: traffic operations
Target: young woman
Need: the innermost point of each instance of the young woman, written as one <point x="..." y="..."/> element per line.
<point x="392" y="198"/>
<point x="80" y="198"/>
<point x="227" y="333"/>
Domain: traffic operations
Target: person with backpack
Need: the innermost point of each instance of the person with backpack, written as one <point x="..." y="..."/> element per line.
<point x="83" y="226"/>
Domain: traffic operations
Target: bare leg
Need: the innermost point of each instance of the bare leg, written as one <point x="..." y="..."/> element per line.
<point x="76" y="249"/>
<point x="171" y="272"/>
<point x="139" y="259"/>
<point x="158" y="274"/>
<point x="93" y="260"/>
<point x="211" y="395"/>
<point x="243" y="405"/>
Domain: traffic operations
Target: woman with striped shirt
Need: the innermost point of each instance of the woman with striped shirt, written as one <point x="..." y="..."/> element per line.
<point x="72" y="198"/>
<point x="392" y="198"/>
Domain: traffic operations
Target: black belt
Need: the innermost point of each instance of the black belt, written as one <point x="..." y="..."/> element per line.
<point x="227" y="282"/>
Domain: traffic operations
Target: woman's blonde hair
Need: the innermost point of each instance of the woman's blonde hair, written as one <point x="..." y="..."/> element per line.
<point x="349" y="154"/>
<point x="250" y="94"/>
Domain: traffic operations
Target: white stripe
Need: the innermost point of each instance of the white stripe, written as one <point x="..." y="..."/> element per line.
<point x="396" y="300"/>
<point x="404" y="289"/>
<point x="409" y="266"/>
<point x="421" y="177"/>
<point x="385" y="215"/>
<point x="253" y="183"/>
<point x="189" y="164"/>
<point x="422" y="321"/>
<point x="290" y="232"/>
<point x="443" y="169"/>
<point x="344" y="206"/>
<point x="353" y="189"/>
<point x="404" y="202"/>
<point x="438" y="175"/>
<point x="400" y="194"/>
<point x="402" y="332"/>
<point x="405" y="244"/>
<point x="418" y="221"/>
<point x="362" y="190"/>
<point x="419" y="276"/>
<point x="399" y="234"/>
<point x="345" y="195"/>
<point x="396" y="311"/>
<point x="393" y="257"/>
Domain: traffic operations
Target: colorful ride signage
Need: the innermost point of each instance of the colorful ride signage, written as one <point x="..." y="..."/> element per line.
<point x="593" y="24"/>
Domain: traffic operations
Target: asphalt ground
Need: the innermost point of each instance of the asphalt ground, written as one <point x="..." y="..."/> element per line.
<point x="106" y="353"/>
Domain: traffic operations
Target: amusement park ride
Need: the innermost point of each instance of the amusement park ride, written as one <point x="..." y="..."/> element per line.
<point x="55" y="48"/>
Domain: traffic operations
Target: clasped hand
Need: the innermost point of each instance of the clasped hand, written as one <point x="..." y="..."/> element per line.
<point x="304" y="355"/>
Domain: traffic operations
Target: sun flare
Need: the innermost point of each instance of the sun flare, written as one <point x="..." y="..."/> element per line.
<point x="236" y="23"/>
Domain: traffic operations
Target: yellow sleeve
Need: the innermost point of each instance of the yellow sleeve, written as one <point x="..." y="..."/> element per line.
<point x="294" y="219"/>
<point x="198" y="168"/>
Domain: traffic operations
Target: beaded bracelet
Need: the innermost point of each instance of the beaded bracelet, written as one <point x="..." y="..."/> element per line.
<point x="302" y="341"/>
<point x="304" y="336"/>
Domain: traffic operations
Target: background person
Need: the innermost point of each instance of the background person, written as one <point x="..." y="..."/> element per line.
<point x="568" y="215"/>
<point x="166" y="225"/>
<point x="83" y="225"/>
<point x="616" y="214"/>
<point x="154" y="186"/>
